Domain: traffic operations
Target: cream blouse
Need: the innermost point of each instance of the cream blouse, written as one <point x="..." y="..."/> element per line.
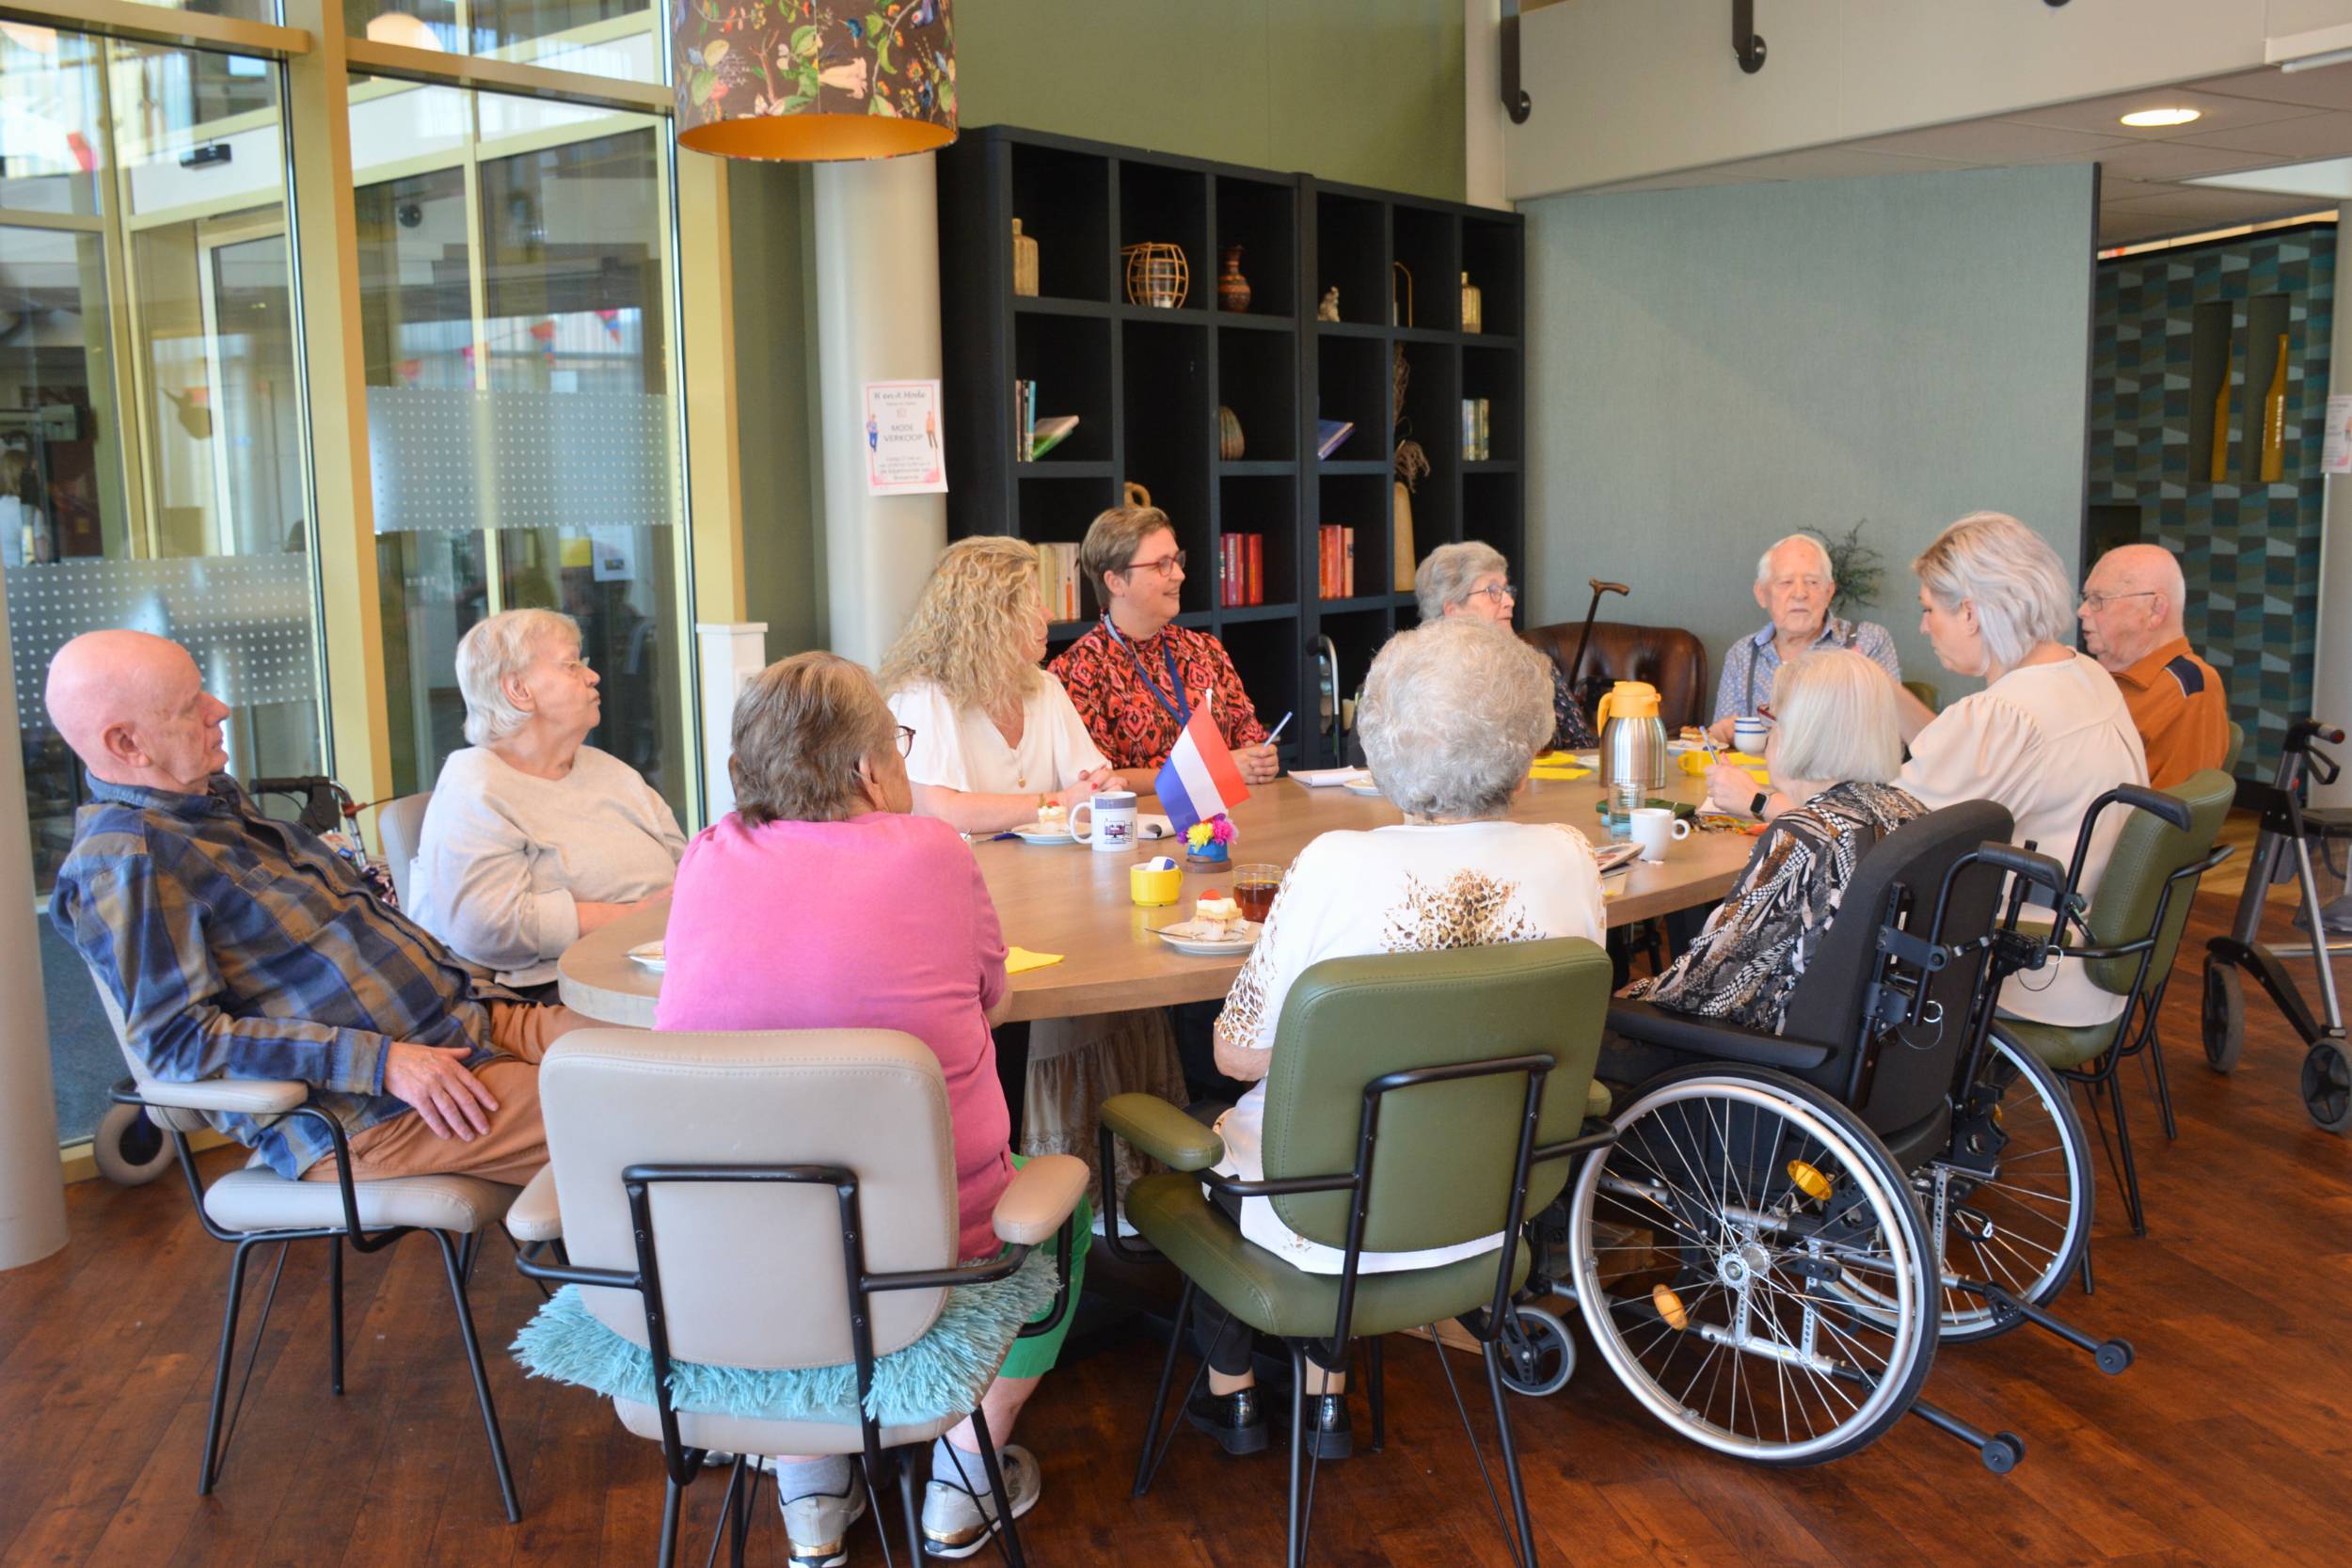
<point x="2045" y="740"/>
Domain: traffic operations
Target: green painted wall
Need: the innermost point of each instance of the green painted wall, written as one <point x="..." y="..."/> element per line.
<point x="1364" y="91"/>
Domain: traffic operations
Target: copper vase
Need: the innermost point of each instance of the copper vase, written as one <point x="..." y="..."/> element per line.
<point x="1232" y="289"/>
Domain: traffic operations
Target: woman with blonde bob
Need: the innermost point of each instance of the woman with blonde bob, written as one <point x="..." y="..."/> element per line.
<point x="1835" y="752"/>
<point x="996" y="736"/>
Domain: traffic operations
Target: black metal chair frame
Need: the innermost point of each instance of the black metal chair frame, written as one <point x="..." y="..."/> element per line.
<point x="457" y="1264"/>
<point x="682" y="1464"/>
<point x="1485" y="1324"/>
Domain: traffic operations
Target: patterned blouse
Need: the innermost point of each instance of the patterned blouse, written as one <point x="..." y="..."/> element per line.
<point x="1744" y="966"/>
<point x="1105" y="679"/>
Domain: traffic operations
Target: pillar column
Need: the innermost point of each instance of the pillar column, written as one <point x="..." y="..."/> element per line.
<point x="876" y="320"/>
<point x="32" y="1184"/>
<point x="2331" y="656"/>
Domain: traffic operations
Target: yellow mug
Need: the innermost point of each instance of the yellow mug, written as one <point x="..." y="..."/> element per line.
<point x="1153" y="889"/>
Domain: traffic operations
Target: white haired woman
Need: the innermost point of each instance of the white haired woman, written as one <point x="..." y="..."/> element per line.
<point x="996" y="737"/>
<point x="1471" y="578"/>
<point x="1454" y="711"/>
<point x="2048" y="734"/>
<point x="535" y="838"/>
<point x="1836" y="752"/>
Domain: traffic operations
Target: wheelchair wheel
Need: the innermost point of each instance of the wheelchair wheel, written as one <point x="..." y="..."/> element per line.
<point x="2224" y="1016"/>
<point x="1538" y="1358"/>
<point x="1721" y="1245"/>
<point x="129" y="1149"/>
<point x="2327" y="1086"/>
<point x="2015" y="1189"/>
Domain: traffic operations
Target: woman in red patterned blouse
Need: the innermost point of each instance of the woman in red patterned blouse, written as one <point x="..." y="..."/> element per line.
<point x="1135" y="675"/>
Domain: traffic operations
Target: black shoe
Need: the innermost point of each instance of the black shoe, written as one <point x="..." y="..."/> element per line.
<point x="1236" y="1420"/>
<point x="1327" y="1432"/>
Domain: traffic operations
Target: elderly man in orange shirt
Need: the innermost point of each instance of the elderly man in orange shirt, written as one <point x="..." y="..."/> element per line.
<point x="2131" y="615"/>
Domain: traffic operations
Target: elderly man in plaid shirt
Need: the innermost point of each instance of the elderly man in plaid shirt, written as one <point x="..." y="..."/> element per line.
<point x="242" y="946"/>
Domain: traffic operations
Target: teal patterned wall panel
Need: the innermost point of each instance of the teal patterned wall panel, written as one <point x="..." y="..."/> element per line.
<point x="2251" y="551"/>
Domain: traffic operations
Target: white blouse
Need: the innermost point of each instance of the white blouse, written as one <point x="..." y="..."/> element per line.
<point x="2045" y="740"/>
<point x="961" y="749"/>
<point x="1405" y="889"/>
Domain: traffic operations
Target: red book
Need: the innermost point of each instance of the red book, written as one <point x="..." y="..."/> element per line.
<point x="1253" y="568"/>
<point x="1347" y="563"/>
<point x="1328" y="559"/>
<point x="1228" y="563"/>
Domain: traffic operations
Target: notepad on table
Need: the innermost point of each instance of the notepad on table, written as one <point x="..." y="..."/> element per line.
<point x="1558" y="770"/>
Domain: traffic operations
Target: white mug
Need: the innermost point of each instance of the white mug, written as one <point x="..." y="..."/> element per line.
<point x="1654" y="827"/>
<point x="1111" y="825"/>
<point x="1748" y="734"/>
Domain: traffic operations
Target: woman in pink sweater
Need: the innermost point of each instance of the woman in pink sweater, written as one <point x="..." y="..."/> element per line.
<point x="819" y="903"/>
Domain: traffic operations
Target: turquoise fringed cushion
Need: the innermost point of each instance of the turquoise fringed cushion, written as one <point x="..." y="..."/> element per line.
<point x="943" y="1373"/>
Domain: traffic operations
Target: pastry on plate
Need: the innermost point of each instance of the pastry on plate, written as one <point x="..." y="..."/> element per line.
<point x="1053" y="817"/>
<point x="1217" y="917"/>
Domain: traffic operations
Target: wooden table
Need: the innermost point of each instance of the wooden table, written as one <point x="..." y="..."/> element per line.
<point x="1067" y="899"/>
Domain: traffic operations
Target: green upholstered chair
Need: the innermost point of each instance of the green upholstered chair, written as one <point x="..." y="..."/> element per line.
<point x="1416" y="1101"/>
<point x="2237" y="747"/>
<point x="2135" y="929"/>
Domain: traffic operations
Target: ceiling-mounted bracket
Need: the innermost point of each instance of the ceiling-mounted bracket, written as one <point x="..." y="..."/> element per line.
<point x="1747" y="44"/>
<point x="1515" y="100"/>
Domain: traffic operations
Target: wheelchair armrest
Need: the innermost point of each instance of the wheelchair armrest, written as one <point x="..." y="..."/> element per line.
<point x="533" y="1216"/>
<point x="1041" y="1197"/>
<point x="1163" y="1132"/>
<point x="1710" y="1038"/>
<point x="253" y="1096"/>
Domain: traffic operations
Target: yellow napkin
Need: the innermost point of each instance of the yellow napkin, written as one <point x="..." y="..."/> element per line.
<point x="1697" y="763"/>
<point x="1020" y="959"/>
<point x="1545" y="770"/>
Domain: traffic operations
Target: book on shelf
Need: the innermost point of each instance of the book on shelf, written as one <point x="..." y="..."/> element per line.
<point x="1330" y="433"/>
<point x="1023" y="403"/>
<point x="1486" y="444"/>
<point x="1253" y="568"/>
<point x="1047" y="434"/>
<point x="1240" y="570"/>
<point x="1347" y="563"/>
<point x="1469" y="429"/>
<point x="1058" y="580"/>
<point x="1229" y="570"/>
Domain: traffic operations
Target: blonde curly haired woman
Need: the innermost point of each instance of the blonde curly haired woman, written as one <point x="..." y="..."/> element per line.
<point x="996" y="736"/>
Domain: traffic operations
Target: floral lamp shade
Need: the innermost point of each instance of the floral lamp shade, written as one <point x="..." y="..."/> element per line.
<point x="814" y="80"/>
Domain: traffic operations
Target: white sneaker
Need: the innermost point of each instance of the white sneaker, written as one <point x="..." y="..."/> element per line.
<point x="956" y="1522"/>
<point x="818" y="1523"/>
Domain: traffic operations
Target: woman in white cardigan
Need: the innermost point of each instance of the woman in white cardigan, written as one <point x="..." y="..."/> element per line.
<point x="533" y="838"/>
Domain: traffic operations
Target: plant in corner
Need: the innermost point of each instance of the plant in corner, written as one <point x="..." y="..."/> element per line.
<point x="1858" y="567"/>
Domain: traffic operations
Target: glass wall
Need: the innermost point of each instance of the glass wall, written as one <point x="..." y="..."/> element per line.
<point x="602" y="37"/>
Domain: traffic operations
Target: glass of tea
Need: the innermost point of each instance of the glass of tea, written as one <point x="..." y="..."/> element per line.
<point x="1253" y="890"/>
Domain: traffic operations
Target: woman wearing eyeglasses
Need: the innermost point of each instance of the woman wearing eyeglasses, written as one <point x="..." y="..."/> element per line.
<point x="1473" y="579"/>
<point x="996" y="737"/>
<point x="1135" y="675"/>
<point x="535" y="838"/>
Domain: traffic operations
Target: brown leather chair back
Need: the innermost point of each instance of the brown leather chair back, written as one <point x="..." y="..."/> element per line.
<point x="1668" y="657"/>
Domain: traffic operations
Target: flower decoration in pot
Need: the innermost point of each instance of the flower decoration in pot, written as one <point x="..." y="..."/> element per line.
<point x="1210" y="843"/>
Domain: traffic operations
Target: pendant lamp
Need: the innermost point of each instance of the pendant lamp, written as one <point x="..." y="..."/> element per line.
<point x="814" y="80"/>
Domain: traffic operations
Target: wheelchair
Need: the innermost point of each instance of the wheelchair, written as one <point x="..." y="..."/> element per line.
<point x="1788" y="1226"/>
<point x="2288" y="827"/>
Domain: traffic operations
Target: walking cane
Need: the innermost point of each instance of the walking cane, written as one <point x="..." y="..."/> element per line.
<point x="1584" y="691"/>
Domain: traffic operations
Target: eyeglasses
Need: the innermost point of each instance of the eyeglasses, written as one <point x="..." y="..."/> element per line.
<point x="906" y="740"/>
<point x="2096" y="602"/>
<point x="1499" y="590"/>
<point x="1163" y="565"/>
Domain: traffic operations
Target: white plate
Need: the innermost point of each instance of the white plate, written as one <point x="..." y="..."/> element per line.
<point x="1366" y="787"/>
<point x="1324" y="777"/>
<point x="1044" y="833"/>
<point x="1174" y="936"/>
<point x="648" y="954"/>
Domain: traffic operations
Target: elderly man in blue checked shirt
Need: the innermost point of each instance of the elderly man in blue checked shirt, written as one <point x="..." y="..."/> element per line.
<point x="1794" y="584"/>
<point x="242" y="946"/>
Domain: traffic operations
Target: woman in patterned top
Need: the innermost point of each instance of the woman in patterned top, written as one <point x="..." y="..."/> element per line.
<point x="1835" y="748"/>
<point x="1473" y="579"/>
<point x="1135" y="674"/>
<point x="1453" y="713"/>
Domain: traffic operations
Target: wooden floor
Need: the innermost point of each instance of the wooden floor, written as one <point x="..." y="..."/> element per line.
<point x="2230" y="1442"/>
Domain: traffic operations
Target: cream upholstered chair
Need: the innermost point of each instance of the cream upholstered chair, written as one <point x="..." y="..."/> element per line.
<point x="762" y="1208"/>
<point x="254" y="1205"/>
<point x="400" y="827"/>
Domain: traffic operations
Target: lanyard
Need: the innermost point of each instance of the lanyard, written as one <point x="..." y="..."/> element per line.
<point x="1749" y="706"/>
<point x="1181" y="710"/>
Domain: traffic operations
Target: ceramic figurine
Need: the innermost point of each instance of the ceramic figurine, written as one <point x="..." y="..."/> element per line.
<point x="1330" y="309"/>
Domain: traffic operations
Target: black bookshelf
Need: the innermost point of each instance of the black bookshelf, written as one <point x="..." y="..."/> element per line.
<point x="1146" y="383"/>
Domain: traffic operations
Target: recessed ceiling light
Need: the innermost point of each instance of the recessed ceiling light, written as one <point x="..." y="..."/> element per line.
<point x="2162" y="116"/>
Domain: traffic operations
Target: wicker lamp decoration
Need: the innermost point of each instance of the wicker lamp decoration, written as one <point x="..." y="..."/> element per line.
<point x="1158" y="274"/>
<point x="808" y="80"/>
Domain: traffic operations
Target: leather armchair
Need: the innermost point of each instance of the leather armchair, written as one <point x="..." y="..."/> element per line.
<point x="1668" y="657"/>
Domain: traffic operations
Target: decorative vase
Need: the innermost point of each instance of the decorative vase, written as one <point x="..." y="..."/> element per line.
<point x="1158" y="274"/>
<point x="1229" y="441"/>
<point x="1211" y="853"/>
<point x="1473" y="306"/>
<point x="1401" y="304"/>
<point x="1023" y="262"/>
<point x="2220" y="468"/>
<point x="1401" y="579"/>
<point x="1232" y="289"/>
<point x="2275" y="418"/>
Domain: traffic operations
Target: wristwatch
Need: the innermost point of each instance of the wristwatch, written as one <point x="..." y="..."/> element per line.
<point x="1756" y="807"/>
